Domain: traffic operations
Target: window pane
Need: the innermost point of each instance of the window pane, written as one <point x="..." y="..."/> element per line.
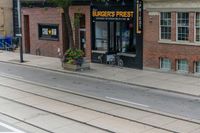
<point x="165" y="24"/>
<point x="198" y="66"/>
<point x="101" y="36"/>
<point x="165" y="64"/>
<point x="183" y="26"/>
<point x="198" y="27"/>
<point x="182" y="65"/>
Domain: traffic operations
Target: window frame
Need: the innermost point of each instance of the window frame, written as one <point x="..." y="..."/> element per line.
<point x="178" y="69"/>
<point x="185" y="26"/>
<point x="195" y="67"/>
<point x="195" y="27"/>
<point x="164" y="68"/>
<point x="160" y="27"/>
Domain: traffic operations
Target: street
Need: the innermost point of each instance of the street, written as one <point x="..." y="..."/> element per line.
<point x="132" y="95"/>
<point x="4" y="128"/>
<point x="38" y="108"/>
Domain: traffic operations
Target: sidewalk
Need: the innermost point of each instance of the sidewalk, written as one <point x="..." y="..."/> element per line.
<point x="155" y="80"/>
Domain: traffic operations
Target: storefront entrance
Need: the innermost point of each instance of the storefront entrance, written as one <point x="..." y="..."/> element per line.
<point x="82" y="37"/>
<point x="114" y="37"/>
<point x="114" y="32"/>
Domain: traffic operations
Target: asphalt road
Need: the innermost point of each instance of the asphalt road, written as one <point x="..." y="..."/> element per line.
<point x="5" y="128"/>
<point x="138" y="96"/>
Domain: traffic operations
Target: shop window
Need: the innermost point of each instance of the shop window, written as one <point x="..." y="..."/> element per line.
<point x="48" y="32"/>
<point x="165" y="25"/>
<point x="198" y="26"/>
<point x="165" y="64"/>
<point x="101" y="32"/>
<point x="197" y="67"/>
<point x="182" y="65"/>
<point x="183" y="26"/>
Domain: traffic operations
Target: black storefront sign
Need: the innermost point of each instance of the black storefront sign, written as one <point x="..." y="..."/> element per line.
<point x="118" y="29"/>
<point x="48" y="32"/>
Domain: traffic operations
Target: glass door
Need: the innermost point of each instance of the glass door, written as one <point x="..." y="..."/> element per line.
<point x="101" y="32"/>
<point x="112" y="37"/>
<point x="82" y="37"/>
<point x="118" y="38"/>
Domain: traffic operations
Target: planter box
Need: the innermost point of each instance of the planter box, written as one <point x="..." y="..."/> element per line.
<point x="71" y="67"/>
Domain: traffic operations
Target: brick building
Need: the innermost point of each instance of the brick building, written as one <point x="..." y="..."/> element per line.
<point x="42" y="16"/>
<point x="6" y="17"/>
<point x="172" y="35"/>
<point x="105" y="29"/>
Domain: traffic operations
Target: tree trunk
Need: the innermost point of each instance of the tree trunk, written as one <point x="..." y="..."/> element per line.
<point x="68" y="26"/>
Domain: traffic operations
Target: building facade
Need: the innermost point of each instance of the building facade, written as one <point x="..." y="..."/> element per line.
<point x="43" y="29"/>
<point x="6" y="17"/>
<point x="172" y="35"/>
<point x="103" y="29"/>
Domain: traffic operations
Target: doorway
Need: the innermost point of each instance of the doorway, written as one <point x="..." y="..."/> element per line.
<point x="121" y="37"/>
<point x="82" y="37"/>
<point x="26" y="34"/>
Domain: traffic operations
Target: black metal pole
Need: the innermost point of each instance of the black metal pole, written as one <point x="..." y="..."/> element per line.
<point x="20" y="31"/>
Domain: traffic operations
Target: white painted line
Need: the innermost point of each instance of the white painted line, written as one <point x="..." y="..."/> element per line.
<point x="10" y="128"/>
<point x="129" y="102"/>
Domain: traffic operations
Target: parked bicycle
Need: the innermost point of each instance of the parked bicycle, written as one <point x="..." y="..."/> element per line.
<point x="116" y="61"/>
<point x="100" y="58"/>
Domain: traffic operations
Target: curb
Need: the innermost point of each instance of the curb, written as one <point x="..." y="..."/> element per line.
<point x="101" y="78"/>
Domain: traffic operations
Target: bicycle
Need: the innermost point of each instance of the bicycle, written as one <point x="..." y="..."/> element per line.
<point x="116" y="60"/>
<point x="100" y="58"/>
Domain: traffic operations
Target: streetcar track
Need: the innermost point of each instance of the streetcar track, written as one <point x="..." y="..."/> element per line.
<point x="26" y="122"/>
<point x="83" y="108"/>
<point x="117" y="116"/>
<point x="103" y="100"/>
<point x="91" y="97"/>
<point x="61" y="116"/>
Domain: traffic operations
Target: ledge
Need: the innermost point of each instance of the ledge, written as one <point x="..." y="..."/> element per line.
<point x="126" y="54"/>
<point x="180" y="42"/>
<point x="99" y="52"/>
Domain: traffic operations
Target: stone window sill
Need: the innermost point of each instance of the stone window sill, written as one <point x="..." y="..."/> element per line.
<point x="179" y="42"/>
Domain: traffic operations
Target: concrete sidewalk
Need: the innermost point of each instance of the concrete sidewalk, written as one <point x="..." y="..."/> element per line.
<point x="155" y="80"/>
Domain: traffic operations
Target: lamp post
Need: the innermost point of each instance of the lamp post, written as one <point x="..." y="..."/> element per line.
<point x="20" y="30"/>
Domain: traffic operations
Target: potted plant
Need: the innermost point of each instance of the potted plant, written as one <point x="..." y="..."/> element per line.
<point x="74" y="60"/>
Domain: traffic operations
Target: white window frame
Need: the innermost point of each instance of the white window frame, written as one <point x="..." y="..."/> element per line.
<point x="177" y="27"/>
<point x="195" y="28"/>
<point x="195" y="67"/>
<point x="177" y="66"/>
<point x="165" y="69"/>
<point x="160" y="26"/>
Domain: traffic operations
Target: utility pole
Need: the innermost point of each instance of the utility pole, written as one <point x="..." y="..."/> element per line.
<point x="20" y="30"/>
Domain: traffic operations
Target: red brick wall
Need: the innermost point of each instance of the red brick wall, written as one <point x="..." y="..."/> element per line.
<point x="86" y="11"/>
<point x="153" y="50"/>
<point x="43" y="16"/>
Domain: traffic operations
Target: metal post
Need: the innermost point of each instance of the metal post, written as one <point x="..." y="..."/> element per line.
<point x="20" y="30"/>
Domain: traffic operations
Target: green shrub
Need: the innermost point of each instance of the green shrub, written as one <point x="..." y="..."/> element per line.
<point x="74" y="56"/>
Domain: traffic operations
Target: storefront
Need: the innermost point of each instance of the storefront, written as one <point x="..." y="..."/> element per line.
<point x="114" y="32"/>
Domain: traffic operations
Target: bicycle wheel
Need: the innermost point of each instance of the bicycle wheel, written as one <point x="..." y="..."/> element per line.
<point x="120" y="63"/>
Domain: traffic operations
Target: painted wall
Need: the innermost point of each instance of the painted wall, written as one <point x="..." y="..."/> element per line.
<point x="6" y="17"/>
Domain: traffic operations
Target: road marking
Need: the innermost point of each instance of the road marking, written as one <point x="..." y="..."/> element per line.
<point x="14" y="130"/>
<point x="129" y="102"/>
<point x="10" y="75"/>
